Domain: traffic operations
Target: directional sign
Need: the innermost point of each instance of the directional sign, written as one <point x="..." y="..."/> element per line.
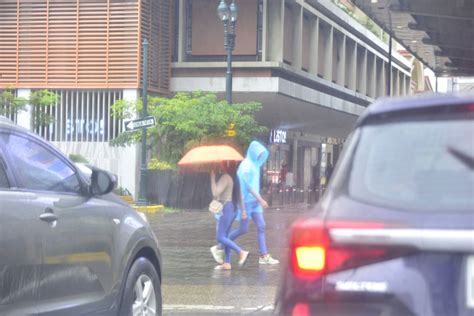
<point x="140" y="123"/>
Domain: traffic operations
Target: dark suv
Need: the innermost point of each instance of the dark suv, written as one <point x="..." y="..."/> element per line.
<point x="68" y="246"/>
<point x="394" y="233"/>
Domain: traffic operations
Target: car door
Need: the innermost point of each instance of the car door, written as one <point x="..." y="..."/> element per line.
<point x="77" y="232"/>
<point x="20" y="247"/>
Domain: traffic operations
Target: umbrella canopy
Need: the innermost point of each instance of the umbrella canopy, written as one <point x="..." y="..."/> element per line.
<point x="209" y="157"/>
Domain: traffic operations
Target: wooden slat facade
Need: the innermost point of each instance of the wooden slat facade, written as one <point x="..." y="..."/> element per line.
<point x="83" y="43"/>
<point x="157" y="24"/>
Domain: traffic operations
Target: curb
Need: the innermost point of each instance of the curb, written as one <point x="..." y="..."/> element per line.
<point x="149" y="209"/>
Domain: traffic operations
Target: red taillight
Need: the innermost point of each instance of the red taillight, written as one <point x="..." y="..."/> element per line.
<point x="470" y="107"/>
<point x="313" y="254"/>
<point x="300" y="309"/>
<point x="309" y="244"/>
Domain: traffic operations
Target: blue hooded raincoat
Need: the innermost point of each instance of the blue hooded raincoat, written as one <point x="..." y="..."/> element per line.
<point x="249" y="175"/>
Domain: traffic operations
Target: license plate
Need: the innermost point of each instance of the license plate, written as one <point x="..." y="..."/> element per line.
<point x="470" y="282"/>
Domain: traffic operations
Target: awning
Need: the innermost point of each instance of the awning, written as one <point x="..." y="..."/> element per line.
<point x="440" y="33"/>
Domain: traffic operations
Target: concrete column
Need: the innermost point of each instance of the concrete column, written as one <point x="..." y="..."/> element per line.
<point x="130" y="167"/>
<point x="341" y="65"/>
<point x="307" y="171"/>
<point x="394" y="78"/>
<point x="314" y="46"/>
<point x="181" y="30"/>
<point x="328" y="60"/>
<point x="276" y="19"/>
<point x="373" y="75"/>
<point x="381" y="83"/>
<point x="397" y="83"/>
<point x="298" y="37"/>
<point x="403" y="85"/>
<point x="24" y="117"/>
<point x="132" y="96"/>
<point x="295" y="156"/>
<point x="352" y="66"/>
<point x="362" y="72"/>
<point x="408" y="86"/>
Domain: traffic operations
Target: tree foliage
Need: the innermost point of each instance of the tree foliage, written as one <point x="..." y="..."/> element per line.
<point x="40" y="100"/>
<point x="188" y="120"/>
<point x="10" y="104"/>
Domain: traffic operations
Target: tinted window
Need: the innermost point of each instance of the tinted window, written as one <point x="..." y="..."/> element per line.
<point x="415" y="165"/>
<point x="39" y="169"/>
<point x="3" y="176"/>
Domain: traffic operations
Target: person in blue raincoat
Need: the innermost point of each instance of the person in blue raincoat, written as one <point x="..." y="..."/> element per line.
<point x="253" y="203"/>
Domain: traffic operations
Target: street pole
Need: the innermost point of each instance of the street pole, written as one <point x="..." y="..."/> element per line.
<point x="143" y="167"/>
<point x="228" y="45"/>
<point x="228" y="15"/>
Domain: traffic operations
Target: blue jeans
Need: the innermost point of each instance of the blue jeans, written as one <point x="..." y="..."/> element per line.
<point x="257" y="218"/>
<point x="223" y="229"/>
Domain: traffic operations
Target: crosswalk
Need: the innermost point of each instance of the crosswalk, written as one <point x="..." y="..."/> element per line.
<point x="216" y="308"/>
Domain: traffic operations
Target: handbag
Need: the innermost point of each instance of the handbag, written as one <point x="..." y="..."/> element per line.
<point x="215" y="207"/>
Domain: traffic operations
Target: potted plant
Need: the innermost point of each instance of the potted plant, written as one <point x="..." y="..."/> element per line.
<point x="158" y="180"/>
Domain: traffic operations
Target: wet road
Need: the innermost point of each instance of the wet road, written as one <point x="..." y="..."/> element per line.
<point x="190" y="284"/>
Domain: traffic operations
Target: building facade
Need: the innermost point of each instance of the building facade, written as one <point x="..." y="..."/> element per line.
<point x="89" y="53"/>
<point x="311" y="65"/>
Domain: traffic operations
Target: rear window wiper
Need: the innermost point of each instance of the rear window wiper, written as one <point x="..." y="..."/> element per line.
<point x="462" y="156"/>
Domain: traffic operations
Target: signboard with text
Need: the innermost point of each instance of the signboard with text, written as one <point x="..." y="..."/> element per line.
<point x="145" y="122"/>
<point x="278" y="136"/>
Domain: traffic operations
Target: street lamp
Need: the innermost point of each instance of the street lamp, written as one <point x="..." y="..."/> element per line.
<point x="228" y="15"/>
<point x="142" y="200"/>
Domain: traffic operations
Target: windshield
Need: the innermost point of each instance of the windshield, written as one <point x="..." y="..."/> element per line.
<point x="416" y="165"/>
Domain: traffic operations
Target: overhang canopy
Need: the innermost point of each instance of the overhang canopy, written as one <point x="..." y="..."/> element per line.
<point x="438" y="32"/>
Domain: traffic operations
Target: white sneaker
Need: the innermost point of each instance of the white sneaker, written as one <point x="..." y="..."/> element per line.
<point x="268" y="260"/>
<point x="217" y="254"/>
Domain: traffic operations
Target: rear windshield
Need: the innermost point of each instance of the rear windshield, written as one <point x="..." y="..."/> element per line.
<point x="419" y="164"/>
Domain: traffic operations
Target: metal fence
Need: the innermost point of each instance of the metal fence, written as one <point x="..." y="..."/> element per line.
<point x="82" y="116"/>
<point x="277" y="197"/>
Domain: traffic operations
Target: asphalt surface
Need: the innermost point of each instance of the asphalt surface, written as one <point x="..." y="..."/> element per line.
<point x="191" y="286"/>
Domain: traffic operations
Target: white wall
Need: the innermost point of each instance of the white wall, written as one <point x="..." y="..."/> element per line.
<point x="24" y="117"/>
<point x="121" y="161"/>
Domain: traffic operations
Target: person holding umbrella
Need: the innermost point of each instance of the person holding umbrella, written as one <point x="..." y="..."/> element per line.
<point x="253" y="203"/>
<point x="227" y="191"/>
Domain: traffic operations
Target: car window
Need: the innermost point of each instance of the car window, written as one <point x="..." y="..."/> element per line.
<point x="415" y="165"/>
<point x="38" y="168"/>
<point x="3" y="176"/>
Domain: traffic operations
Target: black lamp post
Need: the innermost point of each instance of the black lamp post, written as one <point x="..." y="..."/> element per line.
<point x="142" y="200"/>
<point x="228" y="15"/>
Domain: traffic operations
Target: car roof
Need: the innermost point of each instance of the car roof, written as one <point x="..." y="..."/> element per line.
<point x="418" y="102"/>
<point x="6" y="123"/>
<point x="9" y="124"/>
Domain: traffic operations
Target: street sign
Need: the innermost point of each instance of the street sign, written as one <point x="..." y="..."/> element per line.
<point x="140" y="123"/>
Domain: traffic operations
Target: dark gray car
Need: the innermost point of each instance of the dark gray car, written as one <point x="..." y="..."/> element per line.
<point x="68" y="246"/>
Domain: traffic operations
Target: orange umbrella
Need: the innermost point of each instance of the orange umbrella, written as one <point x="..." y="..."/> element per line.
<point x="209" y="156"/>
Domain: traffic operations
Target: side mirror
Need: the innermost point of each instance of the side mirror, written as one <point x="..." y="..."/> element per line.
<point x="102" y="182"/>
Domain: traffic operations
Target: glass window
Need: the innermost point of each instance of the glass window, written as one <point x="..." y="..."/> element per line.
<point x="416" y="165"/>
<point x="3" y="175"/>
<point x="39" y="169"/>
